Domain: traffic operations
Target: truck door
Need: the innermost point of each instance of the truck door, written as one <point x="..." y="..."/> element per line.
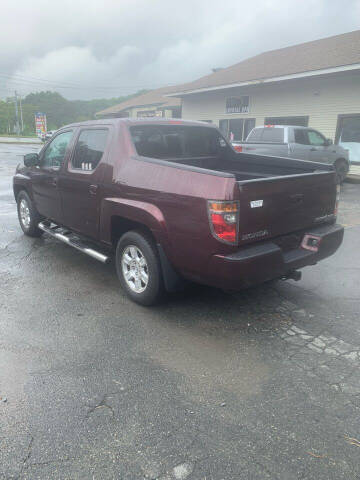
<point x="320" y="151"/>
<point x="299" y="145"/>
<point x="81" y="182"/>
<point x="45" y="178"/>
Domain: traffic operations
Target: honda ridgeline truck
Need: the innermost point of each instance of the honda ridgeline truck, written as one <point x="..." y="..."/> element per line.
<point x="171" y="200"/>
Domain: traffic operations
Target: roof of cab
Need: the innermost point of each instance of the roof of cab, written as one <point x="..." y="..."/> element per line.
<point x="281" y="126"/>
<point x="138" y="121"/>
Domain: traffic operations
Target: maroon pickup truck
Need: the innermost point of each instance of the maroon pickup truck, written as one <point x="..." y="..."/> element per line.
<point x="174" y="202"/>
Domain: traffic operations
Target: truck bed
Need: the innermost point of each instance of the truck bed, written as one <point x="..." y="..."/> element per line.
<point x="293" y="194"/>
<point x="277" y="196"/>
<point x="246" y="167"/>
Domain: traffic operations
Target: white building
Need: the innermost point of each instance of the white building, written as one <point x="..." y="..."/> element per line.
<point x="149" y="104"/>
<point x="315" y="84"/>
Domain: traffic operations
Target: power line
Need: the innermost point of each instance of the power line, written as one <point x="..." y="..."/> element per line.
<point x="29" y="80"/>
<point x="63" y="82"/>
<point x="31" y="83"/>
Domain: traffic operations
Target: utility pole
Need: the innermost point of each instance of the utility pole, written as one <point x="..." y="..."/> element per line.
<point x="21" y="116"/>
<point x="16" y="115"/>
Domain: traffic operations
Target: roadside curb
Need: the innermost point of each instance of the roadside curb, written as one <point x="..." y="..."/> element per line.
<point x="21" y="143"/>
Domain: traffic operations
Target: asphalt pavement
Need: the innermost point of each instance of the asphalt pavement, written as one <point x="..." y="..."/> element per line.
<point x="210" y="385"/>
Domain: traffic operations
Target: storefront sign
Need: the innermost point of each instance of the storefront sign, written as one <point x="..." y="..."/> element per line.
<point x="40" y="124"/>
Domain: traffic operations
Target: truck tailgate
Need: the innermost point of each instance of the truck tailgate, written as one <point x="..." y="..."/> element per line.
<point x="281" y="205"/>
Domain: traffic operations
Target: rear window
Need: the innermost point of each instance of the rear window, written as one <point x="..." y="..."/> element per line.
<point x="272" y="135"/>
<point x="176" y="141"/>
<point x="255" y="135"/>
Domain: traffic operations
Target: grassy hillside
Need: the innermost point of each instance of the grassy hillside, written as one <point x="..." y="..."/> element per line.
<point x="58" y="110"/>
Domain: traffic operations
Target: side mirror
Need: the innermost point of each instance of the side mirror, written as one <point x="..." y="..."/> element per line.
<point x="31" y="159"/>
<point x="328" y="142"/>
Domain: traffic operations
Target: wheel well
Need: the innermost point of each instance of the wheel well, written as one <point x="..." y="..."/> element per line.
<point x="338" y="160"/>
<point x="18" y="189"/>
<point x="121" y="225"/>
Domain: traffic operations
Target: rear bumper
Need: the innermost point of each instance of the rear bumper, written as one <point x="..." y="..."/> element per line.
<point x="259" y="263"/>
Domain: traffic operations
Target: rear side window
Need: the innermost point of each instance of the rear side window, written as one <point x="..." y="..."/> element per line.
<point x="272" y="135"/>
<point x="301" y="136"/>
<point x="89" y="149"/>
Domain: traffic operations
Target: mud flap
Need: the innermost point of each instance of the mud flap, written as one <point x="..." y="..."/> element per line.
<point x="172" y="280"/>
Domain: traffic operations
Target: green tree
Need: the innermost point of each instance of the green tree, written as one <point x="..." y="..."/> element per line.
<point x="58" y="110"/>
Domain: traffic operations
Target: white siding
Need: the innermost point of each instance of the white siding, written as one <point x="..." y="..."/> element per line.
<point x="134" y="111"/>
<point x="322" y="99"/>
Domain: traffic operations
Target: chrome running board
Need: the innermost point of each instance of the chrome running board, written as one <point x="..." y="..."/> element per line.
<point x="72" y="239"/>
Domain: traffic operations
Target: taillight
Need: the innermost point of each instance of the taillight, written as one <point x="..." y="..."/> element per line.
<point x="238" y="148"/>
<point x="337" y="199"/>
<point x="223" y="217"/>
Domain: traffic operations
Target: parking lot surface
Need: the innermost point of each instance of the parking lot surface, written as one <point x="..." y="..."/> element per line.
<point x="261" y="384"/>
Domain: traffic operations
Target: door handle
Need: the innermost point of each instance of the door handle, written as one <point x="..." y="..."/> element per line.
<point x="313" y="149"/>
<point x="93" y="189"/>
<point x="54" y="182"/>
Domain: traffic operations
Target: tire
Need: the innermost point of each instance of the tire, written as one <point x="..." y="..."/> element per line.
<point x="342" y="168"/>
<point x="29" y="217"/>
<point x="138" y="268"/>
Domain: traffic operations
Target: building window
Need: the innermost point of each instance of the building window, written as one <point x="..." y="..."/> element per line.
<point x="297" y="121"/>
<point x="149" y="113"/>
<point x="348" y="135"/>
<point x="237" y="104"/>
<point x="236" y="129"/>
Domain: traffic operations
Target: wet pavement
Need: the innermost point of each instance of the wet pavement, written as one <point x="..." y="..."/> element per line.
<point x="261" y="384"/>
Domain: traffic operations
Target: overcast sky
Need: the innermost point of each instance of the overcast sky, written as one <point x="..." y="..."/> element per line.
<point x="104" y="48"/>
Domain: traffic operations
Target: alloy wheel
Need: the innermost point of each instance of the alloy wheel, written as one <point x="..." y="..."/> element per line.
<point x="135" y="269"/>
<point x="24" y="213"/>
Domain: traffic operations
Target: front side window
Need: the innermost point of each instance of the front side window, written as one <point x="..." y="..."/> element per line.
<point x="55" y="152"/>
<point x="89" y="149"/>
<point x="315" y="138"/>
